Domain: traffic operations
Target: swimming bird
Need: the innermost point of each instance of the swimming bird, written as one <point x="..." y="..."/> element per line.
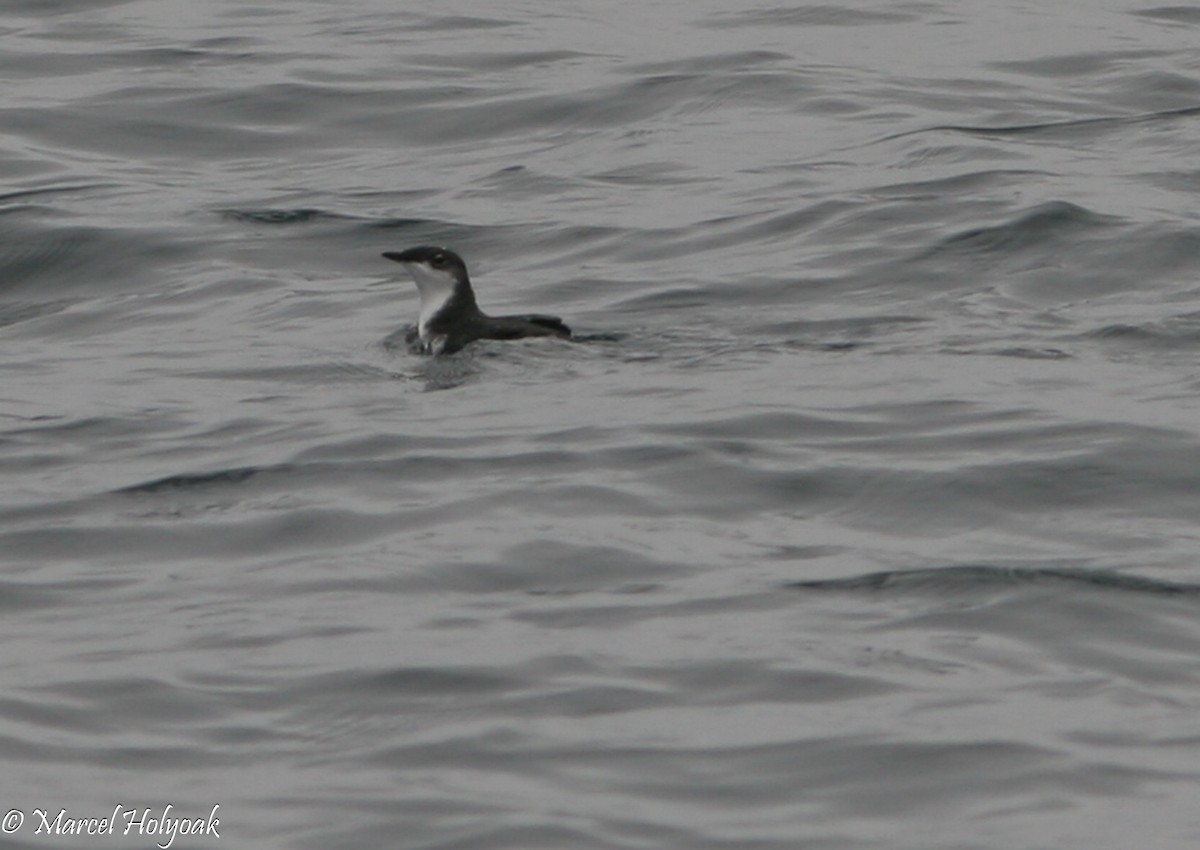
<point x="449" y="318"/>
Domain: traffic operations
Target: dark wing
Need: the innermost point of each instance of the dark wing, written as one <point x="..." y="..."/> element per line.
<point x="551" y="323"/>
<point x="519" y="327"/>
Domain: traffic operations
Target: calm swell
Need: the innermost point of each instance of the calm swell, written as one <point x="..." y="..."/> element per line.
<point x="862" y="513"/>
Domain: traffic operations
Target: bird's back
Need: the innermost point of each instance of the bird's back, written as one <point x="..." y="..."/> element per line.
<point x="529" y="325"/>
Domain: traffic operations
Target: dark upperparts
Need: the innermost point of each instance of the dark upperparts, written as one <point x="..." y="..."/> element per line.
<point x="450" y="318"/>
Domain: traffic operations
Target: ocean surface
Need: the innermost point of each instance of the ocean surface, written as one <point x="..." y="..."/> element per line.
<point x="865" y="512"/>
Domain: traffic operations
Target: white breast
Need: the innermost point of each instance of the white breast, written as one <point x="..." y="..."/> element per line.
<point x="435" y="287"/>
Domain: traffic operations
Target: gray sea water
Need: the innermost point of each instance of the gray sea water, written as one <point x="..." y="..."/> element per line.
<point x="865" y="516"/>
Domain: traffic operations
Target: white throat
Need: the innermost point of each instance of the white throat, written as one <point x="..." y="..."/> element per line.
<point x="436" y="288"/>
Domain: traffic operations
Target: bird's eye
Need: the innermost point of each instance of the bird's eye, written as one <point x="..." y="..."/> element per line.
<point x="437" y="260"/>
